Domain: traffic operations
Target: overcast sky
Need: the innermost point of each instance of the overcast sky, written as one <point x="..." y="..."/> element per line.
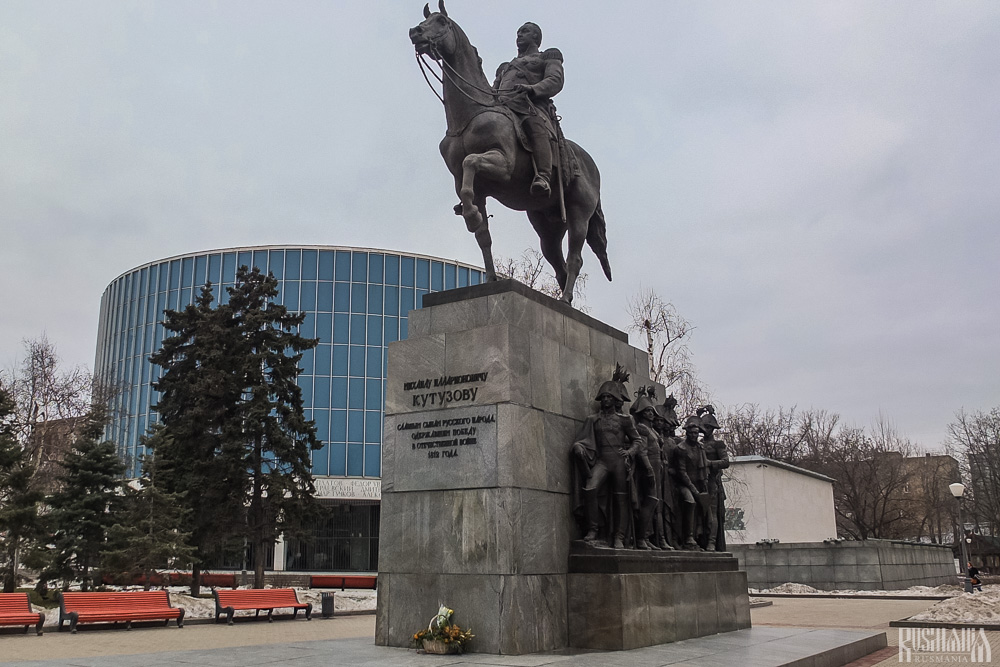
<point x="813" y="184"/>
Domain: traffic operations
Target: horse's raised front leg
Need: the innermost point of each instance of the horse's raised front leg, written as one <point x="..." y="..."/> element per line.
<point x="493" y="165"/>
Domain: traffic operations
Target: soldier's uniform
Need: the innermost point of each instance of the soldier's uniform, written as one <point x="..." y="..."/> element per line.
<point x="543" y="72"/>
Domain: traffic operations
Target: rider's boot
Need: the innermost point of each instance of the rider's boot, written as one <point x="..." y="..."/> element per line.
<point x="542" y="157"/>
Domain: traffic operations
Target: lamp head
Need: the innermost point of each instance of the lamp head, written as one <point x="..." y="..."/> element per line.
<point x="957" y="489"/>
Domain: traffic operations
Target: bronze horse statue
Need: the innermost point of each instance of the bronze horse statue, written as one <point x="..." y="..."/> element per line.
<point x="483" y="153"/>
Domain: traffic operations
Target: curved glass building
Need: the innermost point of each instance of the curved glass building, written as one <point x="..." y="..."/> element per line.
<point x="356" y="302"/>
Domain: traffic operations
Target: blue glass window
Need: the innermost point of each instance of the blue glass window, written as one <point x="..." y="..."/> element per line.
<point x="308" y="300"/>
<point x="306" y="362"/>
<point x="324" y="355"/>
<point x="187" y="269"/>
<point x="214" y="269"/>
<point x="423" y="273"/>
<point x="375" y="299"/>
<point x="309" y="264"/>
<point x="375" y="262"/>
<point x="322" y="419"/>
<point x="340" y="360"/>
<point x="339" y="388"/>
<point x="358" y="329"/>
<point x="391" y="329"/>
<point x="374" y="330"/>
<point x="359" y="297"/>
<point x="359" y="267"/>
<point x="338" y="454"/>
<point x="324" y="327"/>
<point x="392" y="269"/>
<point x="474" y="277"/>
<point x="463" y="277"/>
<point x="324" y="297"/>
<point x="185" y="297"/>
<point x="343" y="271"/>
<point x="291" y="295"/>
<point x="406" y="271"/>
<point x="403" y="328"/>
<point x="341" y="328"/>
<point x="305" y="383"/>
<point x="391" y="303"/>
<point x="326" y="265"/>
<point x="164" y="275"/>
<point x="341" y="297"/>
<point x="373" y="460"/>
<point x="229" y="267"/>
<point x="373" y="427"/>
<point x="357" y="360"/>
<point x="321" y="392"/>
<point x="276" y="263"/>
<point x="308" y="327"/>
<point x="405" y="301"/>
<point x="449" y="276"/>
<point x="356" y="393"/>
<point x="437" y="276"/>
<point x="293" y="264"/>
<point x="355" y="426"/>
<point x="355" y="460"/>
<point x="244" y="258"/>
<point x="419" y="298"/>
<point x="200" y="265"/>
<point x="338" y="425"/>
<point x="321" y="461"/>
<point x="175" y="274"/>
<point x="260" y="260"/>
<point x="373" y="394"/>
<point x="373" y="364"/>
<point x="223" y="295"/>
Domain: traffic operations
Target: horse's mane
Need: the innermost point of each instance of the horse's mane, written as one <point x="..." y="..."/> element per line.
<point x="464" y="42"/>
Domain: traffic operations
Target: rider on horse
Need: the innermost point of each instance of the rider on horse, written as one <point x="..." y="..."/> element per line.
<point x="527" y="84"/>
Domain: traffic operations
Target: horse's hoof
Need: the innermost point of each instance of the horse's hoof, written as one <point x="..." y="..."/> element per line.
<point x="458" y="208"/>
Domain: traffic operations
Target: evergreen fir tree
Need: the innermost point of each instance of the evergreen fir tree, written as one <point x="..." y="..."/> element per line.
<point x="276" y="436"/>
<point x="85" y="507"/>
<point x="151" y="533"/>
<point x="197" y="458"/>
<point x="20" y="522"/>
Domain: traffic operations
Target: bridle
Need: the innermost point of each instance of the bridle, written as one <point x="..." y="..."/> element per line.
<point x="450" y="73"/>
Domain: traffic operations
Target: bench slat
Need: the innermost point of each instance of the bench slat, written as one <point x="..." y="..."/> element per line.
<point x="117" y="606"/>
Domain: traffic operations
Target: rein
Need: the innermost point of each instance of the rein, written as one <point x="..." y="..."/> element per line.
<point x="449" y="72"/>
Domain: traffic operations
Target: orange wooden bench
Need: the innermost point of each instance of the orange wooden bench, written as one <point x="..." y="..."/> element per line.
<point x="258" y="599"/>
<point x="343" y="581"/>
<point x="15" y="609"/>
<point x="113" y="607"/>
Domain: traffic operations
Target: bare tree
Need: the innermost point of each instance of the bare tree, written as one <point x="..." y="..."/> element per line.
<point x="666" y="335"/>
<point x="530" y="269"/>
<point x="974" y="439"/>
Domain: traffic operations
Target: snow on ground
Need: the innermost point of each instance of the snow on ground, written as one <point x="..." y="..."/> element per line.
<point x="965" y="608"/>
<point x="803" y="589"/>
<point x="348" y="600"/>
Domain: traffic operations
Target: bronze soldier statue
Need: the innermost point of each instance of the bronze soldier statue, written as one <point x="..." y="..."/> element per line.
<point x="527" y="84"/>
<point x="669" y="517"/>
<point x="692" y="471"/>
<point x="649" y="474"/>
<point x="718" y="460"/>
<point x="603" y="455"/>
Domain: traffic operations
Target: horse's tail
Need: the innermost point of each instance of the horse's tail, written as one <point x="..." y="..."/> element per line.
<point x="597" y="238"/>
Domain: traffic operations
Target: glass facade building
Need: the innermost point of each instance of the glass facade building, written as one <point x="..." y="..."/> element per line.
<point x="356" y="302"/>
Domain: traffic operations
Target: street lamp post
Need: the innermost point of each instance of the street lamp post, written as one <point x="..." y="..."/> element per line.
<point x="958" y="490"/>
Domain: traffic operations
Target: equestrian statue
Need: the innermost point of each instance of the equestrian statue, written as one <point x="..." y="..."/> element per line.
<point x="504" y="141"/>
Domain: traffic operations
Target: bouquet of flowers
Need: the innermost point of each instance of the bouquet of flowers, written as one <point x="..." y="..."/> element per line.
<point x="442" y="636"/>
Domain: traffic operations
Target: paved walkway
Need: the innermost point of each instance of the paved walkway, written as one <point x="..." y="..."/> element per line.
<point x="348" y="641"/>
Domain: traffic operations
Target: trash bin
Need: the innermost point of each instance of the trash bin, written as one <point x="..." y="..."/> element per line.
<point x="327" y="600"/>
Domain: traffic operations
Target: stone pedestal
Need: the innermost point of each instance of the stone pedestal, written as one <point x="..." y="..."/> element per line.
<point x="483" y="402"/>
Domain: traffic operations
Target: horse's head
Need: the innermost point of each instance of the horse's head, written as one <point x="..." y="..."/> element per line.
<point x="435" y="35"/>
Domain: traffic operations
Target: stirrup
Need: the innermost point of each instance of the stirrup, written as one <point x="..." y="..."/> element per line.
<point x="540" y="187"/>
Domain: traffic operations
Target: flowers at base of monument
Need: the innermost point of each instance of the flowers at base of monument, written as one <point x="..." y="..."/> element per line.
<point x="441" y="635"/>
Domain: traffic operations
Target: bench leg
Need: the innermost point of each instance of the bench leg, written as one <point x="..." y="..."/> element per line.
<point x="72" y="623"/>
<point x="229" y="615"/>
<point x="41" y="622"/>
<point x="269" y="618"/>
<point x="180" y="619"/>
<point x="309" y="612"/>
<point x="128" y="625"/>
